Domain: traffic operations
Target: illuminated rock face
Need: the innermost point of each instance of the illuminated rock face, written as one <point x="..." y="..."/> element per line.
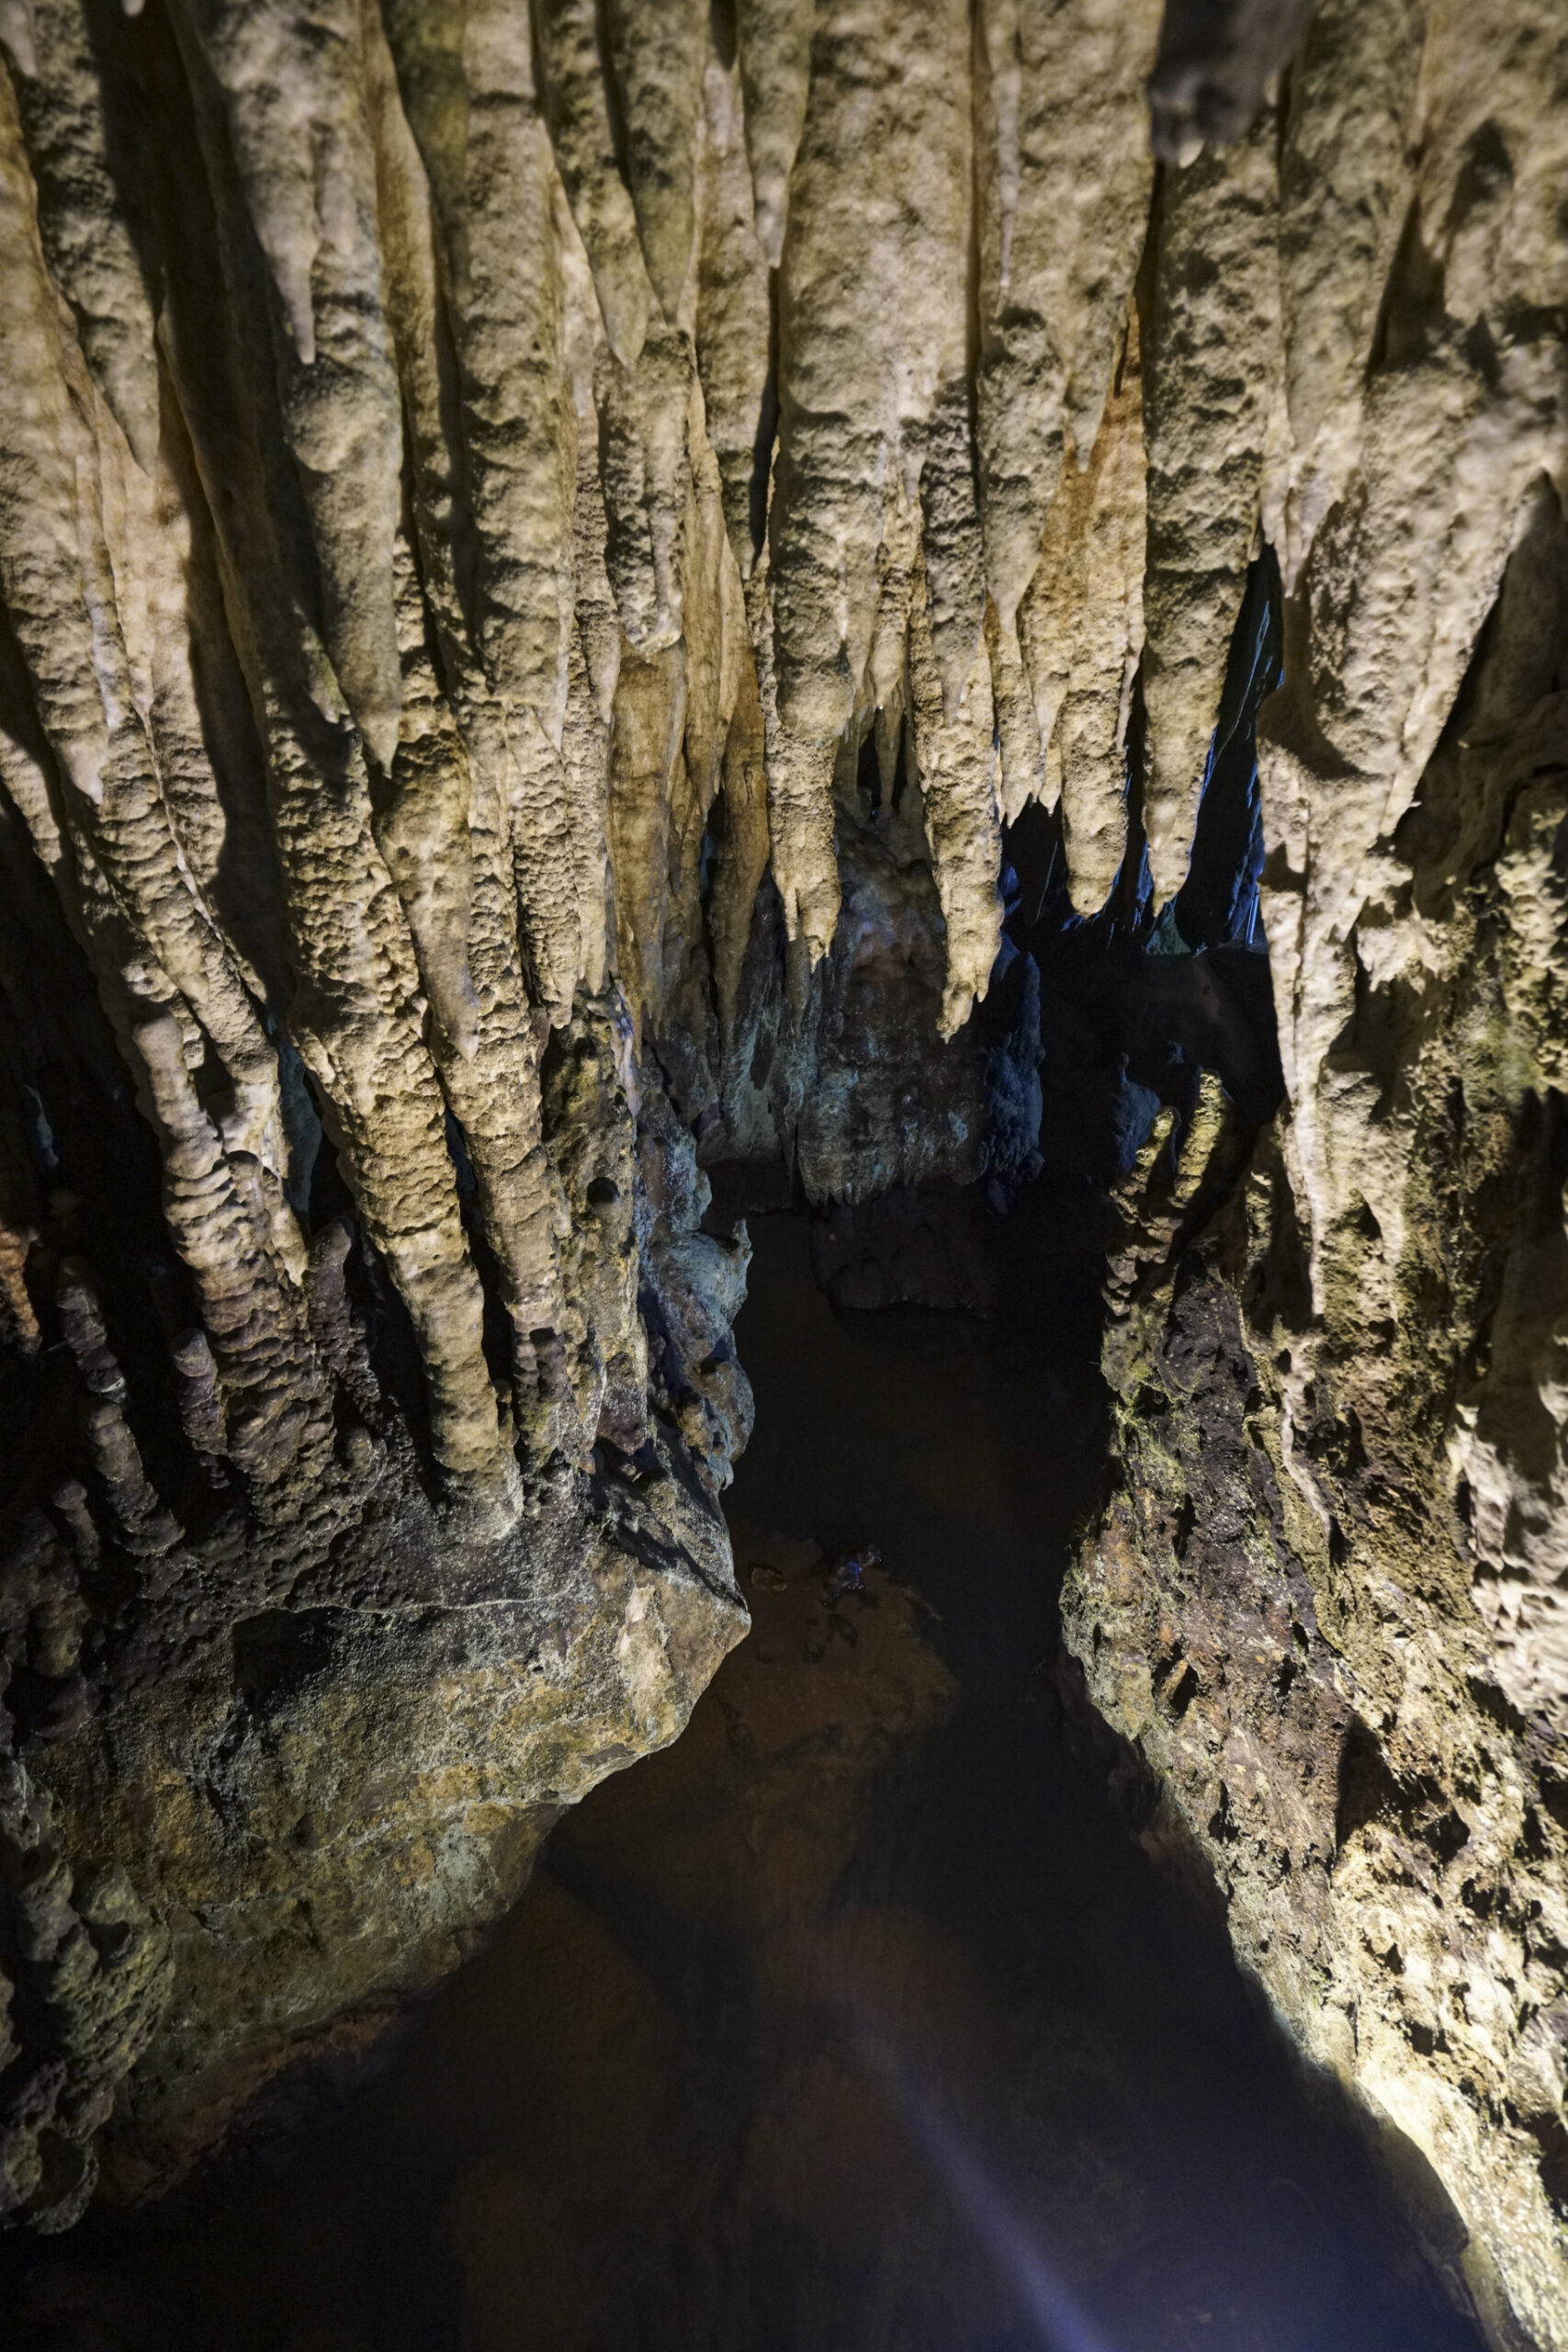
<point x="540" y="552"/>
<point x="1325" y="1598"/>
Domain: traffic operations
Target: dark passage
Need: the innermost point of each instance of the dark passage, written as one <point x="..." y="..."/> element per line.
<point x="857" y="2019"/>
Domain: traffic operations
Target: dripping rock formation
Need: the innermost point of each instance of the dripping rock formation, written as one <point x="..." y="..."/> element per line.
<point x="614" y="613"/>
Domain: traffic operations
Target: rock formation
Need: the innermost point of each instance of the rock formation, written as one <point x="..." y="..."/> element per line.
<point x="549" y="558"/>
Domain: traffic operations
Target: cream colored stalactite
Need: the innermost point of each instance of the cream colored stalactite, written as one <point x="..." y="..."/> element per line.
<point x="744" y="851"/>
<point x="1345" y="176"/>
<point x="355" y="1007"/>
<point x="87" y="237"/>
<point x="950" y="539"/>
<point x="278" y="1410"/>
<point x="519" y="425"/>
<point x="774" y="38"/>
<point x="720" y="672"/>
<point x="469" y="229"/>
<point x="496" y="258"/>
<point x="1082" y="628"/>
<point x="129" y="570"/>
<point x="598" y="622"/>
<point x="732" y="307"/>
<point x="884" y="686"/>
<point x="798" y="766"/>
<point x="1021" y="757"/>
<point x="31" y="776"/>
<point x="78" y="534"/>
<point x="1064" y="176"/>
<point x="494" y="1095"/>
<point x="656" y="49"/>
<point x="879" y="214"/>
<point x="577" y="108"/>
<point x="356" y="1011"/>
<point x="717" y="641"/>
<point x="160" y="545"/>
<point x="357" y="1026"/>
<point x="1214" y="410"/>
<point x="301" y="145"/>
<point x="879" y="211"/>
<point x="645" y="465"/>
<point x="594" y="651"/>
<point x="646" y="745"/>
<point x="509" y="745"/>
<point x="224" y="1212"/>
<point x="420" y="826"/>
<point x="418" y="111"/>
<point x="210" y="767"/>
<point x="1462" y="413"/>
<point x="958" y="782"/>
<point x="593" y="667"/>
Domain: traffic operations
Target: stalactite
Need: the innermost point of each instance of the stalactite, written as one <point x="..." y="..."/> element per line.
<point x="656" y="56"/>
<point x="79" y="120"/>
<point x="1064" y="177"/>
<point x="1082" y="629"/>
<point x="305" y="164"/>
<point x="577" y="109"/>
<point x="774" y="45"/>
<point x="1211" y="396"/>
<point x="957" y="767"/>
<point x="732" y="323"/>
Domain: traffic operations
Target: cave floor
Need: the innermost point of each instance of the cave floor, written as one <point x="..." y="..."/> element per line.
<point x="856" y="2019"/>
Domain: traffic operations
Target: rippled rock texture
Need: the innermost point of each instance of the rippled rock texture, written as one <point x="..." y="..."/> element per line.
<point x="543" y="551"/>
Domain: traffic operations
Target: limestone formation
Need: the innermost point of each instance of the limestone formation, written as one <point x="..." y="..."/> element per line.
<point x="1322" y="1599"/>
<point x="551" y="557"/>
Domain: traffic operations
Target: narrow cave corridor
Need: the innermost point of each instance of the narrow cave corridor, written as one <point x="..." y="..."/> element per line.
<point x="784" y="1175"/>
<point x="858" y="2020"/>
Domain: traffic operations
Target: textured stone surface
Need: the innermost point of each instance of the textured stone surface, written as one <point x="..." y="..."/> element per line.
<point x="541" y="552"/>
<point x="1324" y="1600"/>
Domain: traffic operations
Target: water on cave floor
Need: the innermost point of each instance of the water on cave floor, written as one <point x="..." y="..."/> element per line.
<point x="856" y="2019"/>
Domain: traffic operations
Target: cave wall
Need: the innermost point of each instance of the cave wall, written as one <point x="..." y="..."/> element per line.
<point x="1323" y="1599"/>
<point x="547" y="558"/>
